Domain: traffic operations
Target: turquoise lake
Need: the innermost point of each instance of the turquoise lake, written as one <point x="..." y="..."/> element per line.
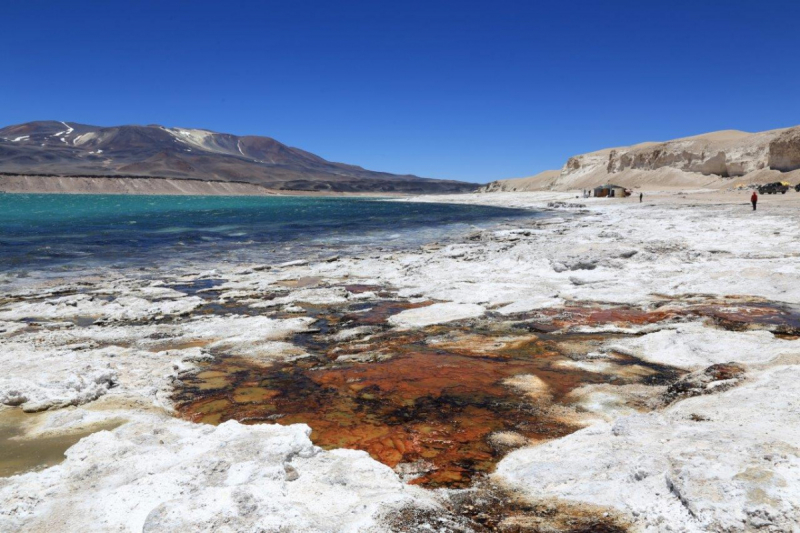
<point x="62" y="232"/>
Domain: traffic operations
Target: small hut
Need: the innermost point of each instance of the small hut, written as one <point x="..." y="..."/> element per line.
<point x="611" y="191"/>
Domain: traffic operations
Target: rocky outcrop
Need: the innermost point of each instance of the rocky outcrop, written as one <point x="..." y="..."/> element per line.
<point x="784" y="151"/>
<point x="724" y="154"/>
<point x="703" y="160"/>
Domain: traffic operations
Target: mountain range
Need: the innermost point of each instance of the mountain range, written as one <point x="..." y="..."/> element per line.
<point x="69" y="149"/>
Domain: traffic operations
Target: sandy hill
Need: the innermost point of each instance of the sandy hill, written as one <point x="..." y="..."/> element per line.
<point x="57" y="149"/>
<point x="717" y="160"/>
<point x="541" y="181"/>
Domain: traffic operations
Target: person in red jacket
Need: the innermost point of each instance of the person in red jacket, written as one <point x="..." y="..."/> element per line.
<point x="754" y="200"/>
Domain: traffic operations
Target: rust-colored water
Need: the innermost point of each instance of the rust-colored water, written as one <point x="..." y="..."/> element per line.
<point x="739" y="316"/>
<point x="436" y="399"/>
<point x="563" y="318"/>
<point x="379" y="312"/>
<point x="736" y="314"/>
<point x="423" y="405"/>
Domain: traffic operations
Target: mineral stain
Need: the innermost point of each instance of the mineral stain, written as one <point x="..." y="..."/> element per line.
<point x="441" y="404"/>
<point x="431" y="409"/>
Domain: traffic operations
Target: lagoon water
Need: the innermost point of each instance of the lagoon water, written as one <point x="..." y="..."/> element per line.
<point x="59" y="233"/>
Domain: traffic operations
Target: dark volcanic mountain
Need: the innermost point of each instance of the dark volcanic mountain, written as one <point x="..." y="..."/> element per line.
<point x="70" y="149"/>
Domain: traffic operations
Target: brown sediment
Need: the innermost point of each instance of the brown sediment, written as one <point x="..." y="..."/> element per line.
<point x="377" y="313"/>
<point x="379" y="290"/>
<point x="491" y="508"/>
<point x="231" y="307"/>
<point x="565" y="318"/>
<point x="359" y="288"/>
<point x="432" y="406"/>
<point x="477" y="345"/>
<point x="729" y="313"/>
<point x="19" y="454"/>
<point x="444" y="404"/>
<point x="199" y="343"/>
<point x="713" y="379"/>
<point x="213" y="379"/>
<point x="299" y="283"/>
<point x="740" y="316"/>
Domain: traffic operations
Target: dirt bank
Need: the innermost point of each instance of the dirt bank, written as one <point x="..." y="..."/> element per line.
<point x="147" y="186"/>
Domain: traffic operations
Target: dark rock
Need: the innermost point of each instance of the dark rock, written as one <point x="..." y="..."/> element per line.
<point x="716" y="378"/>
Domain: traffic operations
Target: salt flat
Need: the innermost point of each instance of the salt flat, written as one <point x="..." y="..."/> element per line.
<point x="722" y="457"/>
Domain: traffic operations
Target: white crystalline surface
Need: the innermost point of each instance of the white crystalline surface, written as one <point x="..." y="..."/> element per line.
<point x="73" y="389"/>
<point x="726" y="461"/>
<point x="735" y="469"/>
<point x="255" y="337"/>
<point x="696" y="346"/>
<point x="722" y="462"/>
<point x="677" y="250"/>
<point x="160" y="474"/>
<point x="60" y="365"/>
<point x="127" y="307"/>
<point x="435" y="314"/>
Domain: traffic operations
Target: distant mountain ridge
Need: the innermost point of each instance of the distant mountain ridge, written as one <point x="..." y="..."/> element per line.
<point x="52" y="148"/>
<point x="718" y="159"/>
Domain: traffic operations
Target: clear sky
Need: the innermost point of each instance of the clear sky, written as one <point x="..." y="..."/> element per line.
<point x="453" y="89"/>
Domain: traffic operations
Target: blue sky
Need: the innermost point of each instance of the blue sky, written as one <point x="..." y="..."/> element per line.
<point x="463" y="90"/>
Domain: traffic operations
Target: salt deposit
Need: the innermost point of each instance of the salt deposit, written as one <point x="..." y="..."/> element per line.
<point x="435" y="314"/>
<point x="723" y="460"/>
<point x="161" y="474"/>
<point x="710" y="463"/>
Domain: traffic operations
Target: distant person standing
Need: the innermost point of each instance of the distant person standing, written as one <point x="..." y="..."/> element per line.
<point x="754" y="200"/>
<point x="641" y="195"/>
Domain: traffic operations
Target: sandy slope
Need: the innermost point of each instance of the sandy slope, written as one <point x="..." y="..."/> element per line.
<point x="93" y="185"/>
<point x="150" y="186"/>
<point x="541" y="181"/>
<point x="716" y="160"/>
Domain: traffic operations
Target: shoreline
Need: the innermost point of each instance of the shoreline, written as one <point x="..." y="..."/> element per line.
<point x="685" y="280"/>
<point x="155" y="186"/>
<point x="161" y="247"/>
